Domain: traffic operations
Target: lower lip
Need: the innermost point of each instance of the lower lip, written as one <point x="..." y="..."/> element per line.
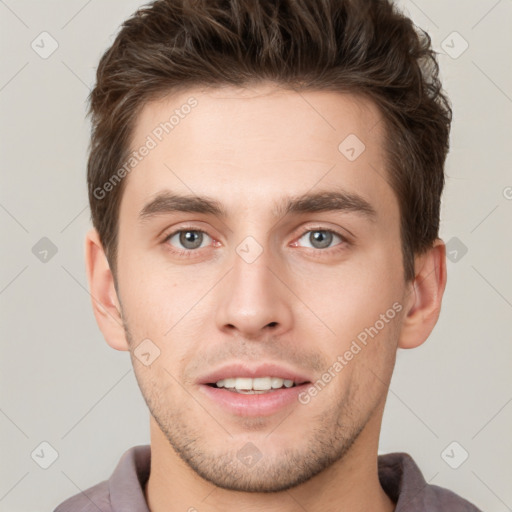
<point x="250" y="405"/>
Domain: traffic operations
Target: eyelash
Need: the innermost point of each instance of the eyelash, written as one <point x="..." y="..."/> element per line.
<point x="189" y="253"/>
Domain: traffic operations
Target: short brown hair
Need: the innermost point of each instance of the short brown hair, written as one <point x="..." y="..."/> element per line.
<point x="366" y="47"/>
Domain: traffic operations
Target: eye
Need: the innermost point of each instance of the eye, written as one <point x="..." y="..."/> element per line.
<point x="189" y="239"/>
<point x="321" y="238"/>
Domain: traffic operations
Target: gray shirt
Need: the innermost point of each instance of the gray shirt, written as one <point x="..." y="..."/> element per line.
<point x="399" y="476"/>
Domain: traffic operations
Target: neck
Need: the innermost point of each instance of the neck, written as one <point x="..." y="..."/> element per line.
<point x="349" y="485"/>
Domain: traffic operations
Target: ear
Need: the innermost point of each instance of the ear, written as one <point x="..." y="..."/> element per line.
<point x="105" y="303"/>
<point x="425" y="296"/>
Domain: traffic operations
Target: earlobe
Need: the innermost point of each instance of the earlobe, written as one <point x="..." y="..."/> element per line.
<point x="425" y="296"/>
<point x="105" y="302"/>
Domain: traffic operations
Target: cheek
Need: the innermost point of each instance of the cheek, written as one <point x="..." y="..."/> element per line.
<point x="163" y="303"/>
<point x="146" y="289"/>
<point x="351" y="296"/>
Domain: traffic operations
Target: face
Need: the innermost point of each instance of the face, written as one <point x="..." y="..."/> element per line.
<point x="283" y="263"/>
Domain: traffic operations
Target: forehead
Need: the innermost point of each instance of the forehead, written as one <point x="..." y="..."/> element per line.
<point x="254" y="145"/>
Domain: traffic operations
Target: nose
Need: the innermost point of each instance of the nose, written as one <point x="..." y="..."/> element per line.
<point x="253" y="301"/>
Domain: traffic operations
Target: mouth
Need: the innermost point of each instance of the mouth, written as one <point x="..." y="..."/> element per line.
<point x="258" y="391"/>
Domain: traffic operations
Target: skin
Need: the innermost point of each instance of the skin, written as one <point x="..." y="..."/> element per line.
<point x="297" y="304"/>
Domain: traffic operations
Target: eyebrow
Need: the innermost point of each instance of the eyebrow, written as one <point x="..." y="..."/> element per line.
<point x="342" y="201"/>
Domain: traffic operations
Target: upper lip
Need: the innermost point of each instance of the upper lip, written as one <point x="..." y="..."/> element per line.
<point x="261" y="370"/>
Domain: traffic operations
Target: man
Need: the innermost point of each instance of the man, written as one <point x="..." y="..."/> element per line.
<point x="265" y="182"/>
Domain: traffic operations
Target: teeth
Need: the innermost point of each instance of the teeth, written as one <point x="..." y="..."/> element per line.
<point x="246" y="384"/>
<point x="229" y="383"/>
<point x="277" y="383"/>
<point x="243" y="383"/>
<point x="261" y="383"/>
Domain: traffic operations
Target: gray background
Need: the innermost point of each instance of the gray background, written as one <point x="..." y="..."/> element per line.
<point x="61" y="383"/>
